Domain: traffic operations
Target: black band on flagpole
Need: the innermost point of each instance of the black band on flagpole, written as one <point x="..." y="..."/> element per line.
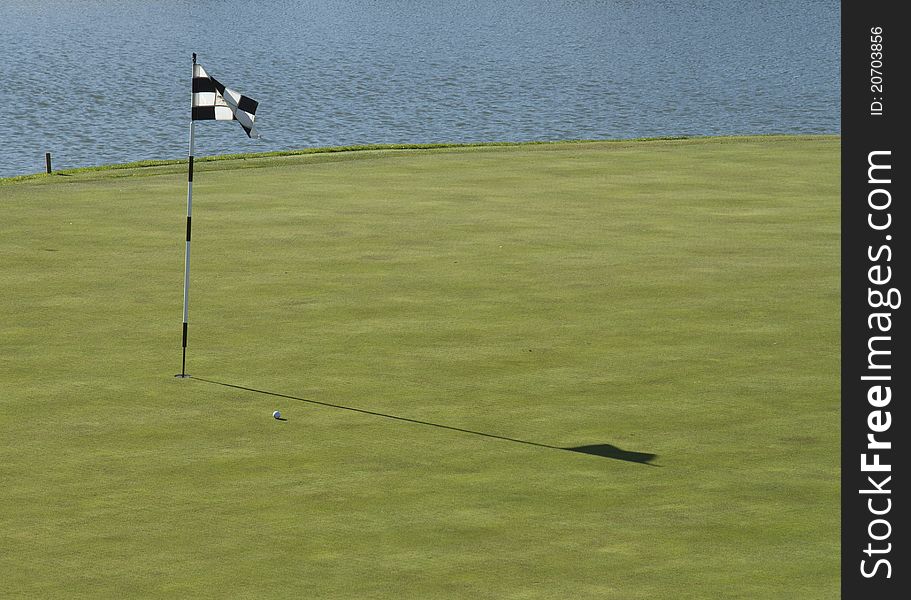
<point x="190" y="171"/>
<point x="183" y="360"/>
<point x="188" y="228"/>
<point x="183" y="365"/>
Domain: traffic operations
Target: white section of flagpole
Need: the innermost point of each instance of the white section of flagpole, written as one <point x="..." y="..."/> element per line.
<point x="186" y="269"/>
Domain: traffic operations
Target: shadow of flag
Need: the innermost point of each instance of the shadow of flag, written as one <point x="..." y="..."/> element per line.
<point x="609" y="451"/>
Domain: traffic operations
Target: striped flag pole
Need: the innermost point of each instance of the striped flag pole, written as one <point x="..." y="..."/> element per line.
<point x="209" y="101"/>
<point x="186" y="269"/>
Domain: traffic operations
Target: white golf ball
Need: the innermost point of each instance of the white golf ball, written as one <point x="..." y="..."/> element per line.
<point x="276" y="415"/>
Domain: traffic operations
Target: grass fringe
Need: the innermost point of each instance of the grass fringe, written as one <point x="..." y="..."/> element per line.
<point x="158" y="167"/>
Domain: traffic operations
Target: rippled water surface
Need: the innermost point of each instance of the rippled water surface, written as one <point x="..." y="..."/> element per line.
<point x="95" y="81"/>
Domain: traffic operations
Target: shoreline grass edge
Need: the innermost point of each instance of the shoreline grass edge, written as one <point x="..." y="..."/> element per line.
<point x="169" y="166"/>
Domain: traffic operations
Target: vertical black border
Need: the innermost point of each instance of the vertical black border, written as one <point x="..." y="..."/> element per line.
<point x="862" y="249"/>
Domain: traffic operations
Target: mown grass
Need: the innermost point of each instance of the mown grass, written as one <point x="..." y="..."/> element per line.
<point x="678" y="298"/>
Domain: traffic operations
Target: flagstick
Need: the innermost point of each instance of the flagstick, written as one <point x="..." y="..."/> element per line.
<point x="186" y="269"/>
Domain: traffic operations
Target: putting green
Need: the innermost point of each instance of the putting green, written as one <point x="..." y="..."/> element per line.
<point x="437" y="326"/>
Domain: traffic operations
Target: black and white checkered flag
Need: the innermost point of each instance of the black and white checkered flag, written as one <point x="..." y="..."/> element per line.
<point x="213" y="101"/>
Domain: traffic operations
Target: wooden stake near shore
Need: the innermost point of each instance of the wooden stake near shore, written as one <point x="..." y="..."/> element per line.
<point x="47" y="162"/>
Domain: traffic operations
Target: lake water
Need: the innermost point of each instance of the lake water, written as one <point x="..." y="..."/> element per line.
<point x="97" y="81"/>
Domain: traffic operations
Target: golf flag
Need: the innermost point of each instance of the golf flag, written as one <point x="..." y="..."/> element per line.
<point x="213" y="101"/>
<point x="209" y="101"/>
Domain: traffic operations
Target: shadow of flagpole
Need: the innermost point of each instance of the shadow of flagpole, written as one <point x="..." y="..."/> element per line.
<point x="602" y="450"/>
